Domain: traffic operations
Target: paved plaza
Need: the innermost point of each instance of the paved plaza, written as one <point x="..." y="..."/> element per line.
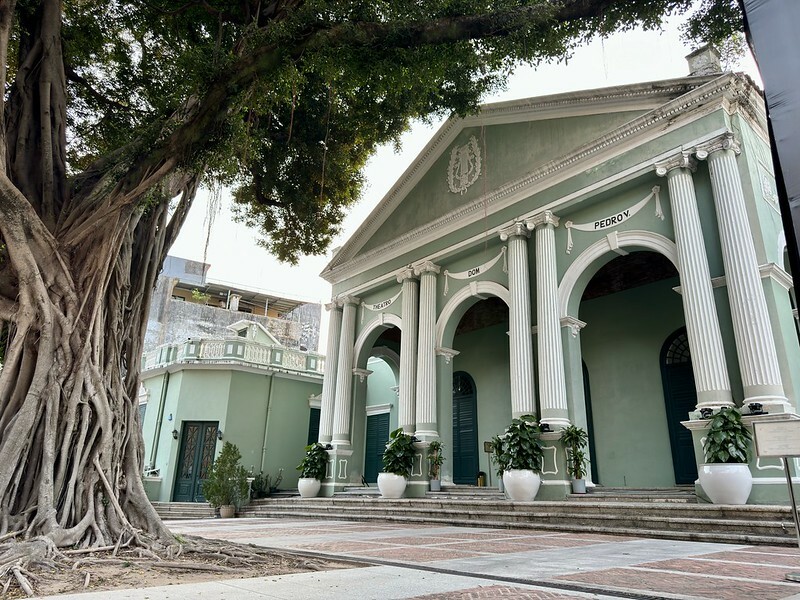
<point x="456" y="563"/>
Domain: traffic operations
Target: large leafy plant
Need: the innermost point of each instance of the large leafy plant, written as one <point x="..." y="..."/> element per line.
<point x="227" y="479"/>
<point x="521" y="445"/>
<point x="398" y="458"/>
<point x="314" y="463"/>
<point x="575" y="440"/>
<point x="727" y="439"/>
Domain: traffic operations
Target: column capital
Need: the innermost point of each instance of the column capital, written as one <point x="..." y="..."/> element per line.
<point x="343" y="300"/>
<point x="426" y="267"/>
<point x="362" y="374"/>
<point x="542" y="219"/>
<point x="574" y="324"/>
<point x="516" y="229"/>
<point x="681" y="160"/>
<point x="334" y="304"/>
<point x="726" y="141"/>
<point x="406" y="273"/>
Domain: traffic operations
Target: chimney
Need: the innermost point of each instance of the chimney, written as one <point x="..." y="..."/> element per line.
<point x="704" y="61"/>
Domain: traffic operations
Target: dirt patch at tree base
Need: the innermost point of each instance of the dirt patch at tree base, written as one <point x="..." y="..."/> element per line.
<point x="101" y="571"/>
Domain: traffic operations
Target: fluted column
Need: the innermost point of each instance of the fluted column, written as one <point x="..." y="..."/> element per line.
<point x="702" y="324"/>
<point x="552" y="384"/>
<point x="408" y="351"/>
<point x="344" y="373"/>
<point x="755" y="344"/>
<point x="523" y="401"/>
<point x="329" y="377"/>
<point x="427" y="427"/>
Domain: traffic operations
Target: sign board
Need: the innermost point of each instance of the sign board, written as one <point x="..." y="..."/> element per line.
<point x="777" y="438"/>
<point x="488" y="447"/>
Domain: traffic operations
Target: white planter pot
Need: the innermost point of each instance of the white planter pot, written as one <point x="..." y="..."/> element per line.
<point x="726" y="483"/>
<point x="521" y="485"/>
<point x="578" y="486"/>
<point x="391" y="485"/>
<point x="227" y="511"/>
<point x="436" y="485"/>
<point x="308" y="487"/>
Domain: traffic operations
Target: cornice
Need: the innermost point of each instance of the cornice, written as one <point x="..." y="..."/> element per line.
<point x="700" y="92"/>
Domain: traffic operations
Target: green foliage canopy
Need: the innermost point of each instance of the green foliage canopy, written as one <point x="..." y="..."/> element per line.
<point x="285" y="100"/>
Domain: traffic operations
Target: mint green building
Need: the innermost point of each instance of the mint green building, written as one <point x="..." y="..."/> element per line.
<point x="245" y="388"/>
<point x="612" y="258"/>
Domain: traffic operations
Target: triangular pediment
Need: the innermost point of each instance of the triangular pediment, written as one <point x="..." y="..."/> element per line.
<point x="498" y="148"/>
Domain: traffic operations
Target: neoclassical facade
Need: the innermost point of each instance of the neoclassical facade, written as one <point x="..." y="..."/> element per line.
<point x="611" y="258"/>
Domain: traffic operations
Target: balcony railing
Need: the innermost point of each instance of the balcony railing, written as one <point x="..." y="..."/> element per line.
<point x="234" y="351"/>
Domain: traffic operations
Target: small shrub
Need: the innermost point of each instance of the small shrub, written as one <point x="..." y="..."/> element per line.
<point x="398" y="458"/>
<point x="314" y="463"/>
<point x="727" y="439"/>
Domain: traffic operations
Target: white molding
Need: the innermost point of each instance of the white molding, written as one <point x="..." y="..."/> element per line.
<point x="315" y="401"/>
<point x="646" y="239"/>
<point x="362" y="374"/>
<point x="796" y="316"/>
<point x="575" y="325"/>
<point x="379" y="409"/>
<point x="777" y="273"/>
<point x="641" y="129"/>
<point x="448" y="353"/>
<point x="480" y="289"/>
<point x="382" y="321"/>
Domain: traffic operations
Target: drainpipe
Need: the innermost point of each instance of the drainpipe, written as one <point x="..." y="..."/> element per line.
<point x="159" y="419"/>
<point x="266" y="421"/>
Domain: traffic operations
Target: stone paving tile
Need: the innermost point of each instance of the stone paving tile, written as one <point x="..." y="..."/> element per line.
<point x="494" y="547"/>
<point x="553" y="542"/>
<point x="422" y="540"/>
<point x="761" y="558"/>
<point x="719" y="588"/>
<point x="418" y="554"/>
<point x="715" y="567"/>
<point x="496" y="591"/>
<point x="772" y="550"/>
<point x="342" y="546"/>
<point x="467" y="535"/>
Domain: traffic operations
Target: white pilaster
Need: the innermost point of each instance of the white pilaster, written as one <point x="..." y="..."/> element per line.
<point x="702" y="324"/>
<point x="344" y="373"/>
<point x="755" y="345"/>
<point x="408" y="350"/>
<point x="523" y="401"/>
<point x="552" y="384"/>
<point x="426" y="426"/>
<point x="329" y="376"/>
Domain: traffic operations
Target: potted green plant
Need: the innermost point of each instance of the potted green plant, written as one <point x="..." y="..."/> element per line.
<point x="435" y="460"/>
<point x="496" y="458"/>
<point x="312" y="470"/>
<point x="398" y="460"/>
<point x="226" y="486"/>
<point x="725" y="476"/>
<point x="521" y="458"/>
<point x="575" y="440"/>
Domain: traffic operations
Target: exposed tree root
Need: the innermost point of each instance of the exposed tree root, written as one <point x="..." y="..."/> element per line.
<point x="23" y="564"/>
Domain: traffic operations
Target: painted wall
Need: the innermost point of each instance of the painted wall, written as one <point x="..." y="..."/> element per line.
<point x="621" y="344"/>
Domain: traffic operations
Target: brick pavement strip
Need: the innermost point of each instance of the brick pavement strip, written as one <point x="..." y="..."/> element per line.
<point x="742" y="556"/>
<point x="702" y="566"/>
<point x="719" y="588"/>
<point x="417" y="554"/>
<point x="496" y="591"/>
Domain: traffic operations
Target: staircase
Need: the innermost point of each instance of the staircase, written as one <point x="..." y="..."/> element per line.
<point x="636" y="517"/>
<point x="183" y="510"/>
<point x="680" y="494"/>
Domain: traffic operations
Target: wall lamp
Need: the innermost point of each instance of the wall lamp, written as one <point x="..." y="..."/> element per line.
<point x="174" y="434"/>
<point x="219" y="434"/>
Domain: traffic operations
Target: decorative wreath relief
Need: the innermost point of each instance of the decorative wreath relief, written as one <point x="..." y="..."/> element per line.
<point x="465" y="166"/>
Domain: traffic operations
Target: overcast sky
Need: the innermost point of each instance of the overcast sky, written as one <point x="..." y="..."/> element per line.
<point x="235" y="257"/>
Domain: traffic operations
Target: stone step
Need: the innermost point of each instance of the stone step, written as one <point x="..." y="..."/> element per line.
<point x="354" y="492"/>
<point x="183" y="510"/>
<point x="750" y="524"/>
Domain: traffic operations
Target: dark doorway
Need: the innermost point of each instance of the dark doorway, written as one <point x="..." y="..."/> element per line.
<point x="198" y="443"/>
<point x="377" y="436"/>
<point x="465" y="429"/>
<point x="313" y="425"/>
<point x="587" y="398"/>
<point x="680" y="396"/>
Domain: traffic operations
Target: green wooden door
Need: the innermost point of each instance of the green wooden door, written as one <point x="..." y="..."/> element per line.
<point x="377" y="436"/>
<point x="680" y="396"/>
<point x="465" y="430"/>
<point x="313" y="425"/>
<point x="198" y="444"/>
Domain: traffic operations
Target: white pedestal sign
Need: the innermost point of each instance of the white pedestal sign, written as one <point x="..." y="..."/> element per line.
<point x="781" y="439"/>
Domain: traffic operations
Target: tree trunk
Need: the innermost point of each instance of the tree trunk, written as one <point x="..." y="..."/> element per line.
<point x="70" y="437"/>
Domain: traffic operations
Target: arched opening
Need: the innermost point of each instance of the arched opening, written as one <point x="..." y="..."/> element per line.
<point x="630" y="307"/>
<point x="680" y="398"/>
<point x="478" y="405"/>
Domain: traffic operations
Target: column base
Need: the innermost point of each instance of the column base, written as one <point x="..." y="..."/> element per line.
<point x="555" y="423"/>
<point x="769" y="403"/>
<point x="518" y="414"/>
<point x="426" y="435"/>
